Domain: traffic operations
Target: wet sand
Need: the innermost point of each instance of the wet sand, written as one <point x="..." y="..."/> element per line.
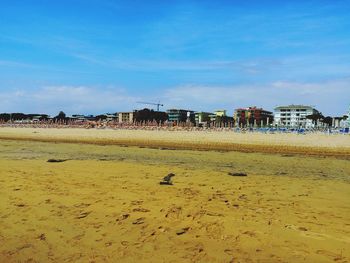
<point x="105" y="204"/>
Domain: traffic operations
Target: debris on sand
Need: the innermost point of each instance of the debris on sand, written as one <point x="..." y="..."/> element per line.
<point x="42" y="237"/>
<point x="56" y="160"/>
<point x="302" y="228"/>
<point x="123" y="217"/>
<point x="182" y="231"/>
<point x="167" y="179"/>
<point x="237" y="174"/>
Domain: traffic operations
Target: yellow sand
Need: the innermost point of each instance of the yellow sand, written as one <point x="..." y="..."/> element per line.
<point x="105" y="204"/>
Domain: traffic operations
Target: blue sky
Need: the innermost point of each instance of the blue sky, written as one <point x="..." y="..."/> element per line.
<point x="94" y="56"/>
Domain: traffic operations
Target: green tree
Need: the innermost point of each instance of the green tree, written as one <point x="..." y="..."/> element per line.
<point x="61" y="116"/>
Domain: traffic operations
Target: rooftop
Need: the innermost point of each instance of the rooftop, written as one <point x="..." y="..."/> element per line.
<point x="252" y="108"/>
<point x="294" y="107"/>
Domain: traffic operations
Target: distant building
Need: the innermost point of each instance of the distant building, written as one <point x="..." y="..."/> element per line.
<point x="202" y="117"/>
<point x="345" y="122"/>
<point x="253" y="116"/>
<point x="213" y="117"/>
<point x="37" y="118"/>
<point x="111" y="117"/>
<point x="180" y="115"/>
<point x="126" y="117"/>
<point x="294" y="116"/>
<point x="220" y="113"/>
<point x="80" y="117"/>
<point x="219" y="117"/>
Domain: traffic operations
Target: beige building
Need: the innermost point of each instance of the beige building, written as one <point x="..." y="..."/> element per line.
<point x="126" y="117"/>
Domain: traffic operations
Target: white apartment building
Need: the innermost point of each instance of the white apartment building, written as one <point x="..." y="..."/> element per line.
<point x="346" y="123"/>
<point x="294" y="116"/>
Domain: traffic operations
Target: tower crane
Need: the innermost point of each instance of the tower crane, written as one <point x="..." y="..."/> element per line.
<point x="151" y="103"/>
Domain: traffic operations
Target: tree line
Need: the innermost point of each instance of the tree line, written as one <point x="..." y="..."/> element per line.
<point x="17" y="116"/>
<point x="139" y="115"/>
<point x="21" y="116"/>
<point x="147" y="115"/>
<point x="328" y="120"/>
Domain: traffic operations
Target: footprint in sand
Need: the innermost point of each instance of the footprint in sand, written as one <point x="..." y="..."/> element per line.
<point x="190" y="193"/>
<point x="334" y="256"/>
<point x="174" y="212"/>
<point x="78" y="237"/>
<point x="18" y="249"/>
<point x="108" y="244"/>
<point x="208" y="213"/>
<point x="21" y="205"/>
<point x="307" y="233"/>
<point x="136" y="202"/>
<point x="213" y="230"/>
<point x="124" y="243"/>
<point x="140" y="209"/>
<point x="82" y="205"/>
<point x="83" y="214"/>
<point x="249" y="233"/>
<point x="139" y="221"/>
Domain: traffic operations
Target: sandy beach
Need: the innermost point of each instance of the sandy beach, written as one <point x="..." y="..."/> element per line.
<point x="311" y="144"/>
<point x="174" y="131"/>
<point x="104" y="203"/>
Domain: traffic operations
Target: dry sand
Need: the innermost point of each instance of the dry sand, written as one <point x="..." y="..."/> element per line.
<point x="105" y="203"/>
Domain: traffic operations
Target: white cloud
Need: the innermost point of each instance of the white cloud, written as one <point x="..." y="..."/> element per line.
<point x="331" y="97"/>
<point x="70" y="99"/>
